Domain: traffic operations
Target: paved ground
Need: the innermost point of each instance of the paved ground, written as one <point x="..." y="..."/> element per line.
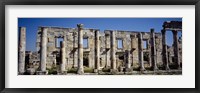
<point x="159" y="72"/>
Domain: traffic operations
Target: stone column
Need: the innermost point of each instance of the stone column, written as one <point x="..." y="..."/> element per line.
<point x="164" y="52"/>
<point x="22" y="49"/>
<point x="63" y="59"/>
<point x="128" y="63"/>
<point x="153" y="50"/>
<point x="80" y="49"/>
<point x="141" y="57"/>
<point x="149" y="51"/>
<point x="97" y="64"/>
<point x="75" y="61"/>
<point x="66" y="47"/>
<point x="133" y="46"/>
<point x="43" y="52"/>
<point x="54" y="62"/>
<point x="176" y="48"/>
<point x="113" y="56"/>
<point x="107" y="50"/>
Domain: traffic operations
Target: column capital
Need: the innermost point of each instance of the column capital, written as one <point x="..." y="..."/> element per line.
<point x="174" y="31"/>
<point x="112" y="32"/>
<point x="62" y="44"/>
<point x="22" y="28"/>
<point x="133" y="36"/>
<point x="96" y="31"/>
<point x="163" y="30"/>
<point x="140" y="35"/>
<point x="152" y="30"/>
<point x="80" y="25"/>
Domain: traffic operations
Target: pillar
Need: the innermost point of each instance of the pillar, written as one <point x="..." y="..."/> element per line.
<point x="176" y="48"/>
<point x="65" y="40"/>
<point x="75" y="46"/>
<point x="43" y="52"/>
<point x="141" y="57"/>
<point x="80" y="49"/>
<point x="63" y="58"/>
<point x="97" y="64"/>
<point x="22" y="49"/>
<point x="107" y="50"/>
<point x="149" y="51"/>
<point x="54" y="62"/>
<point x="128" y="63"/>
<point x="133" y="46"/>
<point x="164" y="51"/>
<point x="113" y="56"/>
<point x="153" y="50"/>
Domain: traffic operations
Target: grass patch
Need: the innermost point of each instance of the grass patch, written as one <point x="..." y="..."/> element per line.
<point x="88" y="70"/>
<point x="72" y="70"/>
<point x="52" y="70"/>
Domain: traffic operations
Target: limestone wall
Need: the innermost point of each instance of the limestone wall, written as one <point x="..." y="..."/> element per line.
<point x="70" y="37"/>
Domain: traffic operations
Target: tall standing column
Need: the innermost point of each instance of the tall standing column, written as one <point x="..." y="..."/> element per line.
<point x="176" y="48"/>
<point x="153" y="50"/>
<point x="97" y="52"/>
<point x="149" y="51"/>
<point x="22" y="49"/>
<point x="107" y="50"/>
<point x="141" y="57"/>
<point x="66" y="49"/>
<point x="113" y="56"/>
<point x="63" y="59"/>
<point x="75" y="54"/>
<point x="80" y="49"/>
<point x="128" y="63"/>
<point x="164" y="52"/>
<point x="133" y="46"/>
<point x="43" y="52"/>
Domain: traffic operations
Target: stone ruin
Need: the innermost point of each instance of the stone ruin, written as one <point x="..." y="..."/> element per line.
<point x="81" y="50"/>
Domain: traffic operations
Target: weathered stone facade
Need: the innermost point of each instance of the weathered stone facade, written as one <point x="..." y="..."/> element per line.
<point x="103" y="50"/>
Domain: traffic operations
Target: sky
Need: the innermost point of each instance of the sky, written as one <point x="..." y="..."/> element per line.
<point x="129" y="24"/>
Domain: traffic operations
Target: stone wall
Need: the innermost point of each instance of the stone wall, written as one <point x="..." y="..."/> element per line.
<point x="85" y="48"/>
<point x="70" y="37"/>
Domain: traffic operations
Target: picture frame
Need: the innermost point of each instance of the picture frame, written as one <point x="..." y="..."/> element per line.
<point x="99" y="2"/>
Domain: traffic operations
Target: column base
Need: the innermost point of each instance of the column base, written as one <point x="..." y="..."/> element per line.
<point x="120" y="69"/>
<point x="62" y="73"/>
<point x="42" y="72"/>
<point x="80" y="71"/>
<point x="114" y="71"/>
<point x="128" y="70"/>
<point x="167" y="67"/>
<point x="107" y="67"/>
<point x="179" y="68"/>
<point x="155" y="68"/>
<point x="21" y="73"/>
<point x="30" y="71"/>
<point x="142" y="69"/>
<point x="96" y="71"/>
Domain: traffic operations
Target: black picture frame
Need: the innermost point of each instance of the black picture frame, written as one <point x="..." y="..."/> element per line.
<point x="3" y="3"/>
